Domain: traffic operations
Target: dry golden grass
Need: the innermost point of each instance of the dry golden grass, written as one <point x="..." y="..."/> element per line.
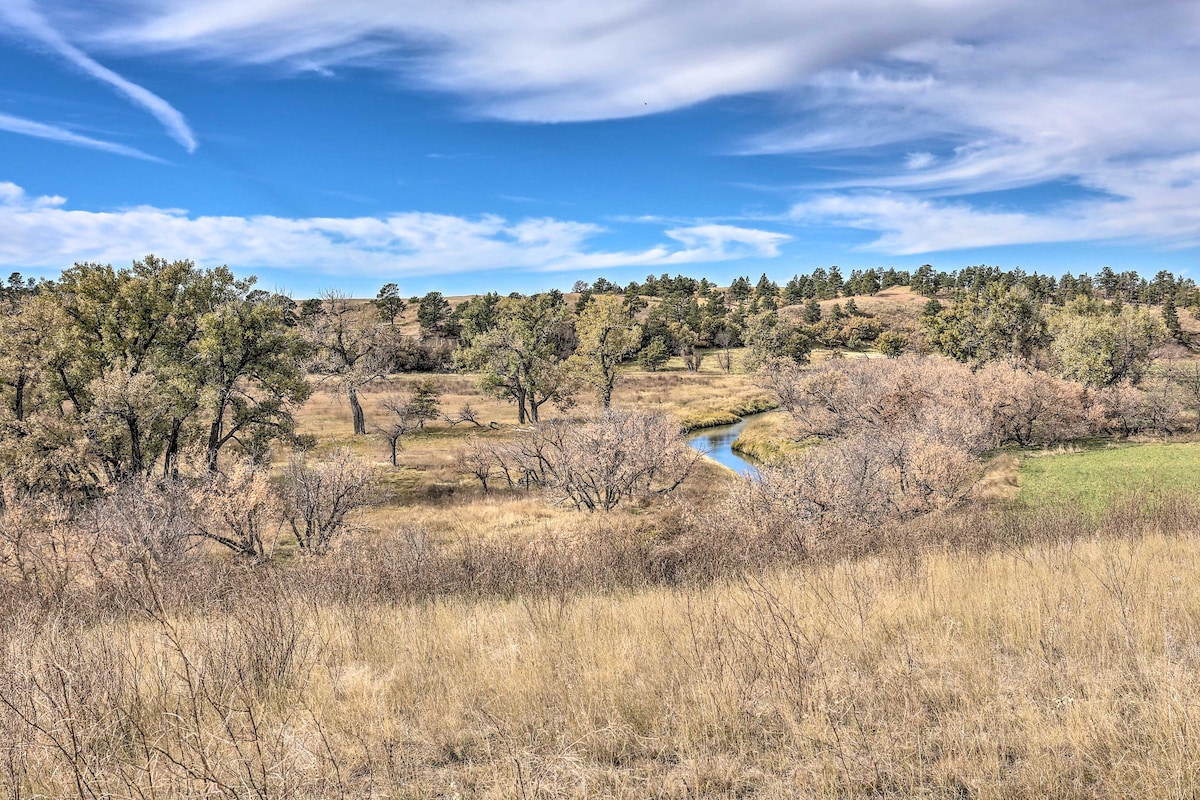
<point x="897" y="307"/>
<point x="427" y="485"/>
<point x="1060" y="669"/>
<point x="698" y="399"/>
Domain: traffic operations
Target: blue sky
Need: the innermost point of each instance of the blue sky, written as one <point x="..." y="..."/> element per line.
<point x="465" y="146"/>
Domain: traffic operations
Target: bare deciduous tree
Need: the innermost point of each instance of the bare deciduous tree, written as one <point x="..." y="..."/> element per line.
<point x="350" y="347"/>
<point x="318" y="496"/>
<point x="464" y="414"/>
<point x="595" y="464"/>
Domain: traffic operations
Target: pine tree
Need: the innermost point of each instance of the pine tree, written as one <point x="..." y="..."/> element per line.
<point x="812" y="312"/>
<point x="1171" y="317"/>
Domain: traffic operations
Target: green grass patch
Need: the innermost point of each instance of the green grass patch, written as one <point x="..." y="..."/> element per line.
<point x="767" y="438"/>
<point x="1093" y="479"/>
<point x="730" y="414"/>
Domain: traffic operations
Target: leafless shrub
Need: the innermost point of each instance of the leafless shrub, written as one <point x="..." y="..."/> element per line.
<point x="999" y="404"/>
<point x="1186" y="376"/>
<point x="782" y="377"/>
<point x="595" y="464"/>
<point x="906" y="438"/>
<point x="239" y="509"/>
<point x="1030" y="407"/>
<point x="478" y="460"/>
<point x="1128" y="410"/>
<point x="147" y="520"/>
<point x="42" y="548"/>
<point x="319" y="495"/>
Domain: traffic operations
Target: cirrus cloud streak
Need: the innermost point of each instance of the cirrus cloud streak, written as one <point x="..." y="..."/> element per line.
<point x="25" y="18"/>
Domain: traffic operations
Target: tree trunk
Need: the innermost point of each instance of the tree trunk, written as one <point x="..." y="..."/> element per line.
<point x="606" y="391"/>
<point x="135" y="446"/>
<point x="213" y="446"/>
<point x="519" y="396"/>
<point x="171" y="456"/>
<point x="360" y="421"/>
<point x="19" y="397"/>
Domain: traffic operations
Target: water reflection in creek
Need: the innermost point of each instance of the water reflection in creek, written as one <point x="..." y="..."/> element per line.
<point x="717" y="443"/>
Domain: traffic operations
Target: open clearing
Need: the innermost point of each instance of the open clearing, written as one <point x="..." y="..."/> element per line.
<point x="1092" y="478"/>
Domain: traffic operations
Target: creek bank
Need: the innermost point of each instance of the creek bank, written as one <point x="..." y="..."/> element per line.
<point x="725" y="417"/>
<point x="717" y="442"/>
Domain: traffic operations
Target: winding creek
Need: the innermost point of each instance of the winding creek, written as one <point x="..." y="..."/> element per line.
<point x="717" y="443"/>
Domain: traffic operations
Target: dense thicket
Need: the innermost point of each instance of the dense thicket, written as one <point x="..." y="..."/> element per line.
<point x="108" y="374"/>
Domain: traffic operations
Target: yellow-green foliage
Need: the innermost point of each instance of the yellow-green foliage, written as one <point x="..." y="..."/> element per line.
<point x="1091" y="479"/>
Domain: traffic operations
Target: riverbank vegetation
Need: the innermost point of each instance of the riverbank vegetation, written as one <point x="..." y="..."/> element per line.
<point x="438" y="547"/>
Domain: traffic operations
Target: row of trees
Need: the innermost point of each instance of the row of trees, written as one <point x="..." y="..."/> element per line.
<point x="827" y="284"/>
<point x="537" y="350"/>
<point x="1087" y="340"/>
<point x="109" y="374"/>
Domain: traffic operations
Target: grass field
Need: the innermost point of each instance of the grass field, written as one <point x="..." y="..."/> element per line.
<point x="1062" y="668"/>
<point x="1092" y="478"/>
<point x="426" y="486"/>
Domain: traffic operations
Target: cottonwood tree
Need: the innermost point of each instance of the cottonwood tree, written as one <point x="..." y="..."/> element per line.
<point x="607" y="335"/>
<point x="27" y="329"/>
<point x="522" y="357"/>
<point x="123" y="370"/>
<point x="128" y="368"/>
<point x="475" y="316"/>
<point x="252" y="362"/>
<point x="350" y="348"/>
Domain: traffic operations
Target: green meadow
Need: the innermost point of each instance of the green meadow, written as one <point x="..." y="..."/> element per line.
<point x="1091" y="479"/>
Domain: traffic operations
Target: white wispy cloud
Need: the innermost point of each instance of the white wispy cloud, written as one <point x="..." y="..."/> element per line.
<point x="543" y="61"/>
<point x="56" y="133"/>
<point x="1160" y="206"/>
<point x="911" y="225"/>
<point x="967" y="96"/>
<point x="42" y="232"/>
<point x="23" y="16"/>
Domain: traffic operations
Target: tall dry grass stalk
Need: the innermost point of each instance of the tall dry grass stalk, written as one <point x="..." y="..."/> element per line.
<point x="990" y="656"/>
